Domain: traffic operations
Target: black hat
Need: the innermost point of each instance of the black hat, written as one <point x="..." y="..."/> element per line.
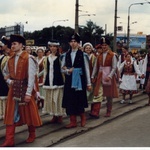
<point x="6" y="41"/>
<point x="17" y="38"/>
<point x="75" y="37"/>
<point x="104" y="40"/>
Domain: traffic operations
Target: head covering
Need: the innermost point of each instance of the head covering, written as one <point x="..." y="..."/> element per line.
<point x="125" y="47"/>
<point x="53" y="42"/>
<point x="40" y="48"/>
<point x="104" y="40"/>
<point x="17" y="38"/>
<point x="1" y="43"/>
<point x="88" y="43"/>
<point x="75" y="37"/>
<point x="98" y="46"/>
<point x="6" y="41"/>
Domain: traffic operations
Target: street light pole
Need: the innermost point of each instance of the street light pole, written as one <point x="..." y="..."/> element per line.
<point x="87" y="15"/>
<point x="128" y="27"/>
<point x="53" y="26"/>
<point x="77" y="16"/>
<point x="115" y="27"/>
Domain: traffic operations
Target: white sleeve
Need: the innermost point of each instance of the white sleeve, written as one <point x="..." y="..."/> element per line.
<point x="87" y="69"/>
<point x="32" y="70"/>
<point x="94" y="72"/>
<point x="137" y="70"/>
<point x="114" y="67"/>
<point x="144" y="65"/>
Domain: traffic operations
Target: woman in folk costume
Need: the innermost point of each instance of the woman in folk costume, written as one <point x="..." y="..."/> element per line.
<point x="75" y="65"/>
<point x="53" y="84"/>
<point x="104" y="77"/>
<point x="40" y="59"/>
<point x="88" y="48"/>
<point x="21" y="108"/>
<point x="98" y="49"/>
<point x="128" y="85"/>
<point x="5" y="44"/>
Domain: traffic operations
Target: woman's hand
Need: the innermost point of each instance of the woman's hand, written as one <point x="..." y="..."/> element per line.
<point x="107" y="79"/>
<point x="89" y="87"/>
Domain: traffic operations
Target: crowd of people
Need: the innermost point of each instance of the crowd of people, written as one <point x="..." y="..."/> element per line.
<point x="61" y="84"/>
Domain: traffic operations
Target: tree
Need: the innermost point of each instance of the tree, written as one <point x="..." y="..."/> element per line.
<point x="91" y="32"/>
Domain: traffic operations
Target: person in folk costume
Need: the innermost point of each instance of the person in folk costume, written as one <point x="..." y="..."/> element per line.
<point x="98" y="48"/>
<point x="29" y="50"/>
<point x="53" y="84"/>
<point x="146" y="69"/>
<point x="121" y="57"/>
<point x="21" y="108"/>
<point x="7" y="46"/>
<point x="104" y="77"/>
<point x="3" y="85"/>
<point x="40" y="59"/>
<point x="141" y="62"/>
<point x="88" y="48"/>
<point x="36" y="85"/>
<point x="128" y="85"/>
<point x="75" y="66"/>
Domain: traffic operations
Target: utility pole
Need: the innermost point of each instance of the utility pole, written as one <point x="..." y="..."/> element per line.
<point x="105" y="29"/>
<point x="77" y="16"/>
<point x="115" y="26"/>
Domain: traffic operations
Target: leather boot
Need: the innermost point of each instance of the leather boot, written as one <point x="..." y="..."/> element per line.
<point x="73" y="122"/>
<point x="9" y="140"/>
<point x="54" y="119"/>
<point x="59" y="119"/>
<point x="109" y="108"/>
<point x="83" y="119"/>
<point x="31" y="137"/>
<point x="95" y="109"/>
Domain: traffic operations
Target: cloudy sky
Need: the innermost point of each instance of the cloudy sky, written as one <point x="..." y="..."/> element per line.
<point x="45" y="13"/>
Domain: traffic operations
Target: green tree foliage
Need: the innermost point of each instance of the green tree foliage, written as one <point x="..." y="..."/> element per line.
<point x="89" y="33"/>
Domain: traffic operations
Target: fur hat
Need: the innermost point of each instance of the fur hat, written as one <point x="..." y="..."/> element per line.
<point x="75" y="37"/>
<point x="88" y="43"/>
<point x="53" y="42"/>
<point x="6" y="41"/>
<point x="17" y="38"/>
<point x="104" y="40"/>
<point x="40" y="48"/>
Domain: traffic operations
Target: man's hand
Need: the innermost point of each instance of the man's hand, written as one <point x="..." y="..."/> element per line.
<point x="70" y="70"/>
<point x="27" y="98"/>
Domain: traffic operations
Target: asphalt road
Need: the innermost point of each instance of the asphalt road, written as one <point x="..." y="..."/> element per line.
<point x="131" y="130"/>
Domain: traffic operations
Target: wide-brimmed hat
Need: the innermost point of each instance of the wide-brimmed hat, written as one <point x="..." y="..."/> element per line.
<point x="17" y="38"/>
